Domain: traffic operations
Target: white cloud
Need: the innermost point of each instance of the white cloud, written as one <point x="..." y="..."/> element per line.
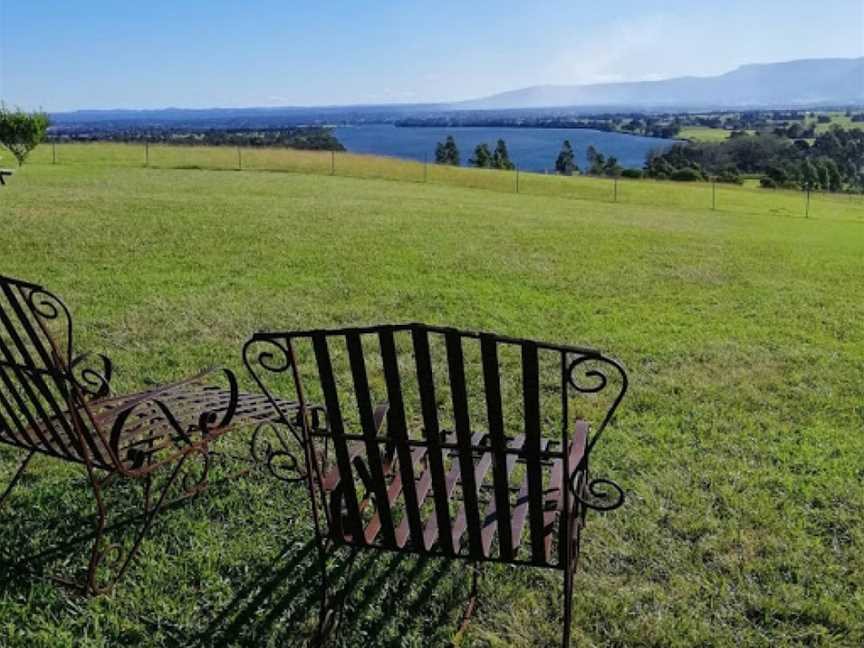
<point x="609" y="55"/>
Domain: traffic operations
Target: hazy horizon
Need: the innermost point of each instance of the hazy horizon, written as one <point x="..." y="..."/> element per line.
<point x="221" y="55"/>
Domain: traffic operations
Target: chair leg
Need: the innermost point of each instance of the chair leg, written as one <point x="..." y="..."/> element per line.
<point x="16" y="477"/>
<point x="568" y="607"/>
<point x="325" y="611"/>
<point x="471" y="605"/>
<point x="111" y="555"/>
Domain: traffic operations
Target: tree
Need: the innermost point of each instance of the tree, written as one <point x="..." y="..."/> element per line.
<point x="20" y="132"/>
<point x="482" y="157"/>
<point x="566" y="164"/>
<point x="611" y="167"/>
<point x="596" y="160"/>
<point x="501" y="158"/>
<point x="447" y="152"/>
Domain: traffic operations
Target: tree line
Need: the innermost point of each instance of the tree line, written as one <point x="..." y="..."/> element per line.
<point x="313" y="138"/>
<point x="833" y="162"/>
<point x="447" y="152"/>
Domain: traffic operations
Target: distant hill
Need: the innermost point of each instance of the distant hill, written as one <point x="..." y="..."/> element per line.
<point x="810" y="82"/>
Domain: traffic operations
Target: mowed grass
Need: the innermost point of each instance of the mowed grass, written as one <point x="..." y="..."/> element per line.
<point x="649" y="193"/>
<point x="740" y="445"/>
<point x="704" y="134"/>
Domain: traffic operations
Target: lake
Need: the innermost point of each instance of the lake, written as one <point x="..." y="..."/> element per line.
<point x="531" y="149"/>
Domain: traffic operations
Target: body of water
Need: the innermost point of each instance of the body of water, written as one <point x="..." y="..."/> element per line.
<point x="531" y="149"/>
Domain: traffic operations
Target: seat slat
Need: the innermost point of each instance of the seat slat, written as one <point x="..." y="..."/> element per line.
<point x="491" y="520"/>
<point x="396" y="487"/>
<point x="481" y="467"/>
<point x="523" y="499"/>
<point x="553" y="498"/>
<point x="432" y="531"/>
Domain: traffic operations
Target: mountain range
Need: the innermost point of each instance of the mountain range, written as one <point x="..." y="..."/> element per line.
<point x="803" y="83"/>
<point x="806" y="82"/>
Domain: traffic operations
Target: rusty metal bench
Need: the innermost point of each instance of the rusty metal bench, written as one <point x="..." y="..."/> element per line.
<point x="449" y="443"/>
<point x="56" y="403"/>
<point x="3" y="174"/>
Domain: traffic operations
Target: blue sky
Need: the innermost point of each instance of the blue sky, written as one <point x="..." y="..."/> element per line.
<point x="202" y="53"/>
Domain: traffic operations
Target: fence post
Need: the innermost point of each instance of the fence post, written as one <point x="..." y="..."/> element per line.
<point x="807" y="208"/>
<point x="239" y="159"/>
<point x="53" y="152"/>
<point x="615" y="197"/>
<point x="146" y="154"/>
<point x="332" y="163"/>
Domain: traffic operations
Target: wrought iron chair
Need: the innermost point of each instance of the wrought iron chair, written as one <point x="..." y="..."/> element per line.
<point x="57" y="403"/>
<point x="490" y="428"/>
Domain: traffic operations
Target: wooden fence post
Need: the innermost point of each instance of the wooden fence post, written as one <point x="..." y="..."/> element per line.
<point x="239" y="159"/>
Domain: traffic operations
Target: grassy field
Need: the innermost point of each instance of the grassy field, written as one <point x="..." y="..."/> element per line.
<point x="708" y="134"/>
<point x="649" y="193"/>
<point x="704" y="134"/>
<point x="740" y="446"/>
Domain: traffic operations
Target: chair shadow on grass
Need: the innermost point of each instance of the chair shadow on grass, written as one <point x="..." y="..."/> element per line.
<point x="382" y="596"/>
<point x="373" y="590"/>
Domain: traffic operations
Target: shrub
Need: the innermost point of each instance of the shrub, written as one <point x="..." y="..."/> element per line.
<point x="687" y="175"/>
<point x="631" y="173"/>
<point x="20" y="132"/>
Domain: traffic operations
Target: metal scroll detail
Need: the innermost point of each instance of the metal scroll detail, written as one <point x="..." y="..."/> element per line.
<point x="270" y="446"/>
<point x="590" y="374"/>
<point x="598" y="377"/>
<point x="182" y="435"/>
<point x="94" y="382"/>
<point x="50" y="308"/>
<point x="90" y="373"/>
<point x="596" y="494"/>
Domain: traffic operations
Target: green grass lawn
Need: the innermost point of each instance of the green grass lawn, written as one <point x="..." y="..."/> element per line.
<point x="740" y="446"/>
<point x="704" y="134"/>
<point x="749" y="199"/>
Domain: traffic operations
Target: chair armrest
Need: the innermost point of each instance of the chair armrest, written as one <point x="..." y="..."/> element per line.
<point x="187" y="436"/>
<point x="92" y="382"/>
<point x="590" y="493"/>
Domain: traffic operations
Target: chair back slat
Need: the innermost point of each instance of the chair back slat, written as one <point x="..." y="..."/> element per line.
<point x="531" y="406"/>
<point x="340" y="445"/>
<point x="25" y="386"/>
<point x="38" y="394"/>
<point x="398" y="431"/>
<point x="367" y="422"/>
<point x="500" y="470"/>
<point x="429" y="407"/>
<point x="462" y="421"/>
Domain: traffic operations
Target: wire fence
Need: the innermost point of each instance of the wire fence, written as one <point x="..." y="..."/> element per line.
<point x="692" y="195"/>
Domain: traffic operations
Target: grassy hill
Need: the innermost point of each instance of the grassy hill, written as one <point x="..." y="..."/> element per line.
<point x="749" y="199"/>
<point x="739" y="447"/>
